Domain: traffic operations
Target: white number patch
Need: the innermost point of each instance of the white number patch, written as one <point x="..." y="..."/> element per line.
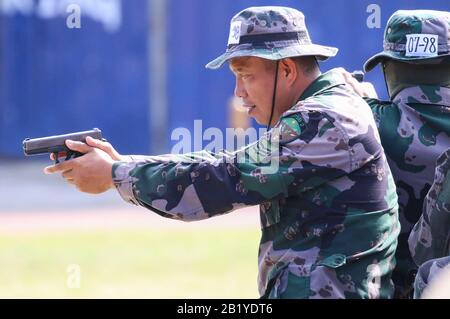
<point x="235" y="33"/>
<point x="422" y="45"/>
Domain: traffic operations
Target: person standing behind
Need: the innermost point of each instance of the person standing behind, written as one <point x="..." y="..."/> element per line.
<point x="414" y="125"/>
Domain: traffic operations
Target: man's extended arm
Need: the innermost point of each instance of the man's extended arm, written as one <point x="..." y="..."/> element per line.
<point x="196" y="187"/>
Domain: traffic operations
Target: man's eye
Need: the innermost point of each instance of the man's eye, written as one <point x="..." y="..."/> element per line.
<point x="246" y="76"/>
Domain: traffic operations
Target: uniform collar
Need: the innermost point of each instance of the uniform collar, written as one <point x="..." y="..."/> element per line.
<point x="424" y="94"/>
<point x="324" y="82"/>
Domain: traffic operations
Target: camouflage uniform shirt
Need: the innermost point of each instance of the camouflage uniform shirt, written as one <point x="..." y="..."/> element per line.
<point x="329" y="214"/>
<point x="429" y="241"/>
<point x="415" y="131"/>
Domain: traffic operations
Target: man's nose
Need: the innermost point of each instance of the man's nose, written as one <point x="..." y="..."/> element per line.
<point x="239" y="90"/>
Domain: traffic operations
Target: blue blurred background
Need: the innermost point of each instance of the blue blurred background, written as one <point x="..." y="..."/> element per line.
<point x="135" y="68"/>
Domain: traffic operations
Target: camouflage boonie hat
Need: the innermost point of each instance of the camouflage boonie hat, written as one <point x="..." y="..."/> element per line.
<point x="272" y="33"/>
<point x="414" y="36"/>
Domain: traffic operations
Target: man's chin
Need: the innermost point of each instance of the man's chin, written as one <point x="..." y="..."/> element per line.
<point x="259" y="121"/>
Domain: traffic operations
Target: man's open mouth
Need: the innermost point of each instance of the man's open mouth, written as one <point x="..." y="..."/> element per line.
<point x="249" y="108"/>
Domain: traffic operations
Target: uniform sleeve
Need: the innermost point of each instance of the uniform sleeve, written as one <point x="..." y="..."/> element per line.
<point x="430" y="237"/>
<point x="200" y="185"/>
<point x="203" y="155"/>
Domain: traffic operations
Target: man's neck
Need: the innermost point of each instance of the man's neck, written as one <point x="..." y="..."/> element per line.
<point x="296" y="92"/>
<point x="300" y="87"/>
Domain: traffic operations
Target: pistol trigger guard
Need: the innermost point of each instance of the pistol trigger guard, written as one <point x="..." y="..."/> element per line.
<point x="72" y="154"/>
<point x="69" y="155"/>
<point x="77" y="154"/>
<point x="55" y="154"/>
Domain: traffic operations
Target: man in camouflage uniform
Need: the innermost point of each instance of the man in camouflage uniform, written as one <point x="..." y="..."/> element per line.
<point x="430" y="238"/>
<point x="328" y="210"/>
<point x="415" y="125"/>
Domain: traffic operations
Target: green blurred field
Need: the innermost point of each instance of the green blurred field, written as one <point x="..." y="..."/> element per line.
<point x="131" y="264"/>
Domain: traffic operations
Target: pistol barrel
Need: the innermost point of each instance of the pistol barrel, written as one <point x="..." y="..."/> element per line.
<point x="52" y="144"/>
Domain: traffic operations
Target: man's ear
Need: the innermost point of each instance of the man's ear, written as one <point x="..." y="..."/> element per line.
<point x="288" y="70"/>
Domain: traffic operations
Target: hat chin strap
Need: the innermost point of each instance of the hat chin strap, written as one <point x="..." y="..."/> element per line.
<point x="274" y="95"/>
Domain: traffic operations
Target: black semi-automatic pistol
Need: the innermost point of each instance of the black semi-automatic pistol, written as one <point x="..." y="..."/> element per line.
<point x="56" y="144"/>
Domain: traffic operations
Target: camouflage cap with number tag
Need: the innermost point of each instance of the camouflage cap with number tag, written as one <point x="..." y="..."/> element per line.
<point x="272" y="33"/>
<point x="414" y="36"/>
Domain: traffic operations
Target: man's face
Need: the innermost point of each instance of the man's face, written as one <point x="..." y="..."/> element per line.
<point x="254" y="85"/>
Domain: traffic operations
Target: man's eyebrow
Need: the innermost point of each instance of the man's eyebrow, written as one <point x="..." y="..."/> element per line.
<point x="238" y="69"/>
